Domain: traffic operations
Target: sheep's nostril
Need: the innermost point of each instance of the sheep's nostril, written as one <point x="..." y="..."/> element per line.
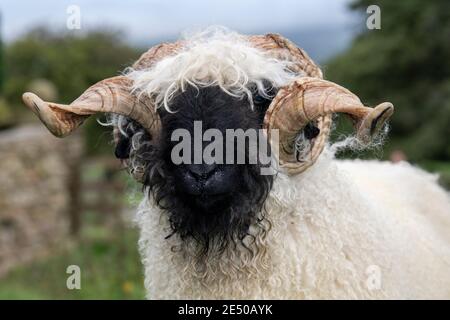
<point x="202" y="171"/>
<point x="207" y="180"/>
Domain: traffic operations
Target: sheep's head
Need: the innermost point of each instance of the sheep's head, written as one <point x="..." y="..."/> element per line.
<point x="222" y="82"/>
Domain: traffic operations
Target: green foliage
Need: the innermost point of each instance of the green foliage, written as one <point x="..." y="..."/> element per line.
<point x="71" y="63"/>
<point x="440" y="168"/>
<point x="407" y="62"/>
<point x="2" y="64"/>
<point x="2" y="67"/>
<point x="6" y="117"/>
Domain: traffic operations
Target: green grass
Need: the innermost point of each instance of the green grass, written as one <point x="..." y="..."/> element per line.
<point x="109" y="263"/>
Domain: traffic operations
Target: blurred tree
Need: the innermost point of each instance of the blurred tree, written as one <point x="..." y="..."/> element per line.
<point x="2" y="66"/>
<point x="6" y="117"/>
<point x="407" y="62"/>
<point x="71" y="63"/>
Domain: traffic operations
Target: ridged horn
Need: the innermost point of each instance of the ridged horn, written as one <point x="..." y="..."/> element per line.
<point x="281" y="48"/>
<point x="112" y="95"/>
<point x="311" y="99"/>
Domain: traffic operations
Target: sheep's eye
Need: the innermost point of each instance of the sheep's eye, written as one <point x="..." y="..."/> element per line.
<point x="261" y="105"/>
<point x="259" y="99"/>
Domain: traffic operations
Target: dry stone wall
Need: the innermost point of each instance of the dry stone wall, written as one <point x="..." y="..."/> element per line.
<point x="38" y="182"/>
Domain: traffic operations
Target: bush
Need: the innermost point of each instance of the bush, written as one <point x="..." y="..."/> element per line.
<point x="406" y="62"/>
<point x="71" y="63"/>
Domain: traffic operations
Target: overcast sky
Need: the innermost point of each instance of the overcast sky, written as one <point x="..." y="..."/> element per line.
<point x="155" y="19"/>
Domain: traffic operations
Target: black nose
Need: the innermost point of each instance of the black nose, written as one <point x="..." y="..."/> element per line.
<point x="206" y="179"/>
<point x="201" y="171"/>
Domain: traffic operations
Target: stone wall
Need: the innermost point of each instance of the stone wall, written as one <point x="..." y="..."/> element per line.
<point x="39" y="182"/>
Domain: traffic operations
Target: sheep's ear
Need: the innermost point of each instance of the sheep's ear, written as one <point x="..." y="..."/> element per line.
<point x="123" y="147"/>
<point x="123" y="136"/>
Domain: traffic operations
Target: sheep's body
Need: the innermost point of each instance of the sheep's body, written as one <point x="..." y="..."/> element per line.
<point x="343" y="229"/>
<point x="337" y="230"/>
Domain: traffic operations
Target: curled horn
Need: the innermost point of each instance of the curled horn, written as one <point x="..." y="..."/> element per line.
<point x="111" y="95"/>
<point x="312" y="99"/>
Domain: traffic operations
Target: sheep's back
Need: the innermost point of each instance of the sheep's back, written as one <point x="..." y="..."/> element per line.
<point x="417" y="210"/>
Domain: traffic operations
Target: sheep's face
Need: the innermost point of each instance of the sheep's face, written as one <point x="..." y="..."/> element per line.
<point x="211" y="203"/>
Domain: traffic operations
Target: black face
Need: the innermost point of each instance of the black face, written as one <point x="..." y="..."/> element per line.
<point x="210" y="203"/>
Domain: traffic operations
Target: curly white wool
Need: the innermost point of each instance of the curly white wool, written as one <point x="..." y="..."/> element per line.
<point x="213" y="57"/>
<point x="342" y="229"/>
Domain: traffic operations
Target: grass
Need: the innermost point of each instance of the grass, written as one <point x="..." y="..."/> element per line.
<point x="109" y="263"/>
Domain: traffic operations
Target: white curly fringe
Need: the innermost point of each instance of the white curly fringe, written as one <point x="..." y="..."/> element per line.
<point x="354" y="144"/>
<point x="215" y="56"/>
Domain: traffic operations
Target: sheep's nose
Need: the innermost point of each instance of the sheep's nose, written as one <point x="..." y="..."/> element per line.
<point x="204" y="179"/>
<point x="202" y="171"/>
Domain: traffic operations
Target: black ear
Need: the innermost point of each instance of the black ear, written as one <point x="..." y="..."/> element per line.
<point x="124" y="136"/>
<point x="123" y="147"/>
<point x="311" y="131"/>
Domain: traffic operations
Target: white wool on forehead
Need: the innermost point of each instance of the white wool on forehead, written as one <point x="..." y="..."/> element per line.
<point x="214" y="57"/>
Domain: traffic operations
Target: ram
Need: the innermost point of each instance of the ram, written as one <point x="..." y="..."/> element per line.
<point x="316" y="227"/>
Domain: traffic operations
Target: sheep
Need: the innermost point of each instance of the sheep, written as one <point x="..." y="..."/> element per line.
<point x="316" y="228"/>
